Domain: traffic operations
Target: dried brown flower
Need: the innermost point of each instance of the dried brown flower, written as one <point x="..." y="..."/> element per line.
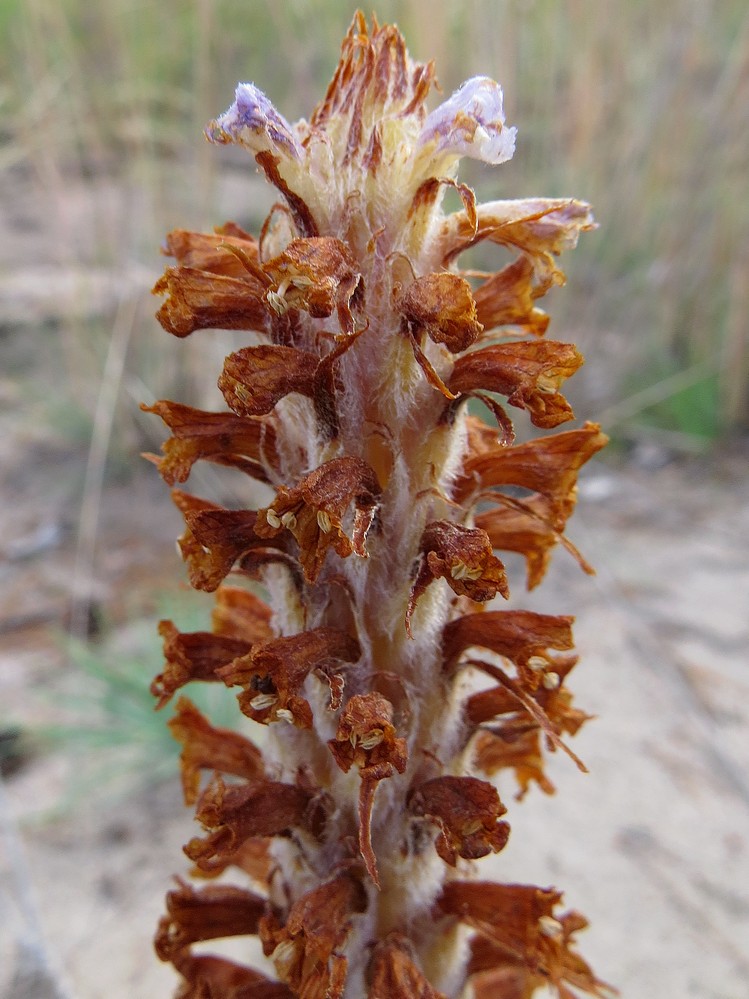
<point x="467" y="811"/>
<point x="395" y="973"/>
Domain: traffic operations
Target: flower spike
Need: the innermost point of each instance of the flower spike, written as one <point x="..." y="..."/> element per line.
<point x="357" y="587"/>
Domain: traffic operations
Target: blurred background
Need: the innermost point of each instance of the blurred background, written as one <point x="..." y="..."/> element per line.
<point x="639" y="108"/>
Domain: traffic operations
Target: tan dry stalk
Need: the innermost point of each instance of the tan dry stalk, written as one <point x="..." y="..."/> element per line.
<point x="390" y="696"/>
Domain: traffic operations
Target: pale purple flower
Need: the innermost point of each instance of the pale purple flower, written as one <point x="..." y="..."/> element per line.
<point x="253" y="121"/>
<point x="471" y="123"/>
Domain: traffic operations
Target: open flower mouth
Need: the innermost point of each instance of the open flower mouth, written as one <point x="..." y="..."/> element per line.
<point x="387" y="696"/>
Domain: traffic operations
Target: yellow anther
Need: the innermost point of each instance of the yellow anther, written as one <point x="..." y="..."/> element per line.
<point x="549" y="926"/>
<point x="263" y="701"/>
<point x="537" y="663"/>
<point x="462" y="571"/>
<point x="472" y="827"/>
<point x="547" y="383"/>
<point x="273" y="519"/>
<point x="372" y="738"/>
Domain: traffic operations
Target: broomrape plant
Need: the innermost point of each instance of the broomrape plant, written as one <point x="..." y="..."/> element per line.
<point x="389" y="695"/>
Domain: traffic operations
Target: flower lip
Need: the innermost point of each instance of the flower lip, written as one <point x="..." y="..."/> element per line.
<point x="235" y="813"/>
<point x="204" y="914"/>
<point x="192" y="656"/>
<point x="317" y="506"/>
<point x="309" y="947"/>
<point x="463" y="557"/>
<point x="205" y="747"/>
<point x="471" y="123"/>
<point x="274" y="676"/>
<point x="367" y="737"/>
<point x="528" y="373"/>
<point x="467" y="812"/>
<point x="250" y="117"/>
<point x="516" y="920"/>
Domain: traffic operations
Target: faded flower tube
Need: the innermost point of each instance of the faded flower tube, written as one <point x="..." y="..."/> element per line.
<point x="390" y="696"/>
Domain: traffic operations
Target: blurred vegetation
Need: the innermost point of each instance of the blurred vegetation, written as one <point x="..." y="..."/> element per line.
<point x="637" y="107"/>
<point x="104" y="714"/>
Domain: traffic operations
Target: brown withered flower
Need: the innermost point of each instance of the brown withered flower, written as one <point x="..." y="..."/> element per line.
<point x="388" y="696"/>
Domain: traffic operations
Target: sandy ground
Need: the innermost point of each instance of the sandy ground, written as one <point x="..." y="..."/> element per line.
<point x="653" y="844"/>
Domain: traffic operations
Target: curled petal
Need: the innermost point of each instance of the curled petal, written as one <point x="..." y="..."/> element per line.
<point x="215" y="538"/>
<point x="507" y="299"/>
<point x="198" y="300"/>
<point x="192" y="656"/>
<point x="519" y="924"/>
<point x="527" y="526"/>
<point x="208" y="251"/>
<point x="470" y="123"/>
<point x="541" y="228"/>
<point x="306" y="950"/>
<point x="514" y="745"/>
<point x="467" y="811"/>
<point x="206" y="914"/>
<point x="274" y="674"/>
<point x="251" y="856"/>
<point x="313" y="511"/>
<point x="463" y="557"/>
<point x="442" y="306"/>
<point x="207" y="748"/>
<point x="528" y="373"/>
<point x="254" y="379"/>
<point x="421" y="211"/>
<point x="517" y="635"/>
<point x="207" y="975"/>
<point x="505" y="433"/>
<point x="318" y="275"/>
<point x="223" y="438"/>
<point x="548" y="465"/>
<point x="366" y="736"/>
<point x="395" y="974"/>
<point x="238" y="613"/>
<point x="253" y="121"/>
<point x="237" y="813"/>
